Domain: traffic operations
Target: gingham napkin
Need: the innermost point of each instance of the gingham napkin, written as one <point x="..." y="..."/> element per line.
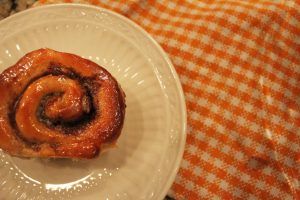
<point x="239" y="65"/>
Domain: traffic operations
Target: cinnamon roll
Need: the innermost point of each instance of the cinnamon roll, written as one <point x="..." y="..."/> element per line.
<point x="59" y="105"/>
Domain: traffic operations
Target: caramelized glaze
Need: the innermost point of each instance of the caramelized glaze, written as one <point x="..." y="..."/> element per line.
<point x="56" y="104"/>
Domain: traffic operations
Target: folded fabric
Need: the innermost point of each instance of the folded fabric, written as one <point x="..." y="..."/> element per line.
<point x="239" y="65"/>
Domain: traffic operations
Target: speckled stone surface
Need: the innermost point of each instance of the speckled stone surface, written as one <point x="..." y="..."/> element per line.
<point x="8" y="7"/>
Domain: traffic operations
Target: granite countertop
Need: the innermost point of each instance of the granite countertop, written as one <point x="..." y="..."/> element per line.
<point x="9" y="7"/>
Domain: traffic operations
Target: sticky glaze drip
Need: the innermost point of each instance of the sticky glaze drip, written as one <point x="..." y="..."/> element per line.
<point x="63" y="106"/>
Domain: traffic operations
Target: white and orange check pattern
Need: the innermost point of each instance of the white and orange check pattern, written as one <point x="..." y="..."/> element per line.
<point x="239" y="65"/>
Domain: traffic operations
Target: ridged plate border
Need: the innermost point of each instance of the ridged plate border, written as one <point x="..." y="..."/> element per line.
<point x="161" y="65"/>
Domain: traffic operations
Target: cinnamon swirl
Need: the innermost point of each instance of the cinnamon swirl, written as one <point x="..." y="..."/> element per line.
<point x="55" y="104"/>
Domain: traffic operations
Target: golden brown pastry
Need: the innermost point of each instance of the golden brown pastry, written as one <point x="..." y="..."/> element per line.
<point x="55" y="104"/>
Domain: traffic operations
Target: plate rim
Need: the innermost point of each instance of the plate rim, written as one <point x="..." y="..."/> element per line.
<point x="175" y="77"/>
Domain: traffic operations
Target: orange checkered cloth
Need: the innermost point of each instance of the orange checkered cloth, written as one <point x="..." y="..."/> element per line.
<point x="239" y="65"/>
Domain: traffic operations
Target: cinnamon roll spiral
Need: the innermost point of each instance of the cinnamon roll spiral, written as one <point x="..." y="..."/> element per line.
<point x="55" y="104"/>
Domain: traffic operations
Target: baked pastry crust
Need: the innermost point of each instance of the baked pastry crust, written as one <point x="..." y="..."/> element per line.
<point x="59" y="105"/>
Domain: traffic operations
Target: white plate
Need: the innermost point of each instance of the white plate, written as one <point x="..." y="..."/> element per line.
<point x="150" y="148"/>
